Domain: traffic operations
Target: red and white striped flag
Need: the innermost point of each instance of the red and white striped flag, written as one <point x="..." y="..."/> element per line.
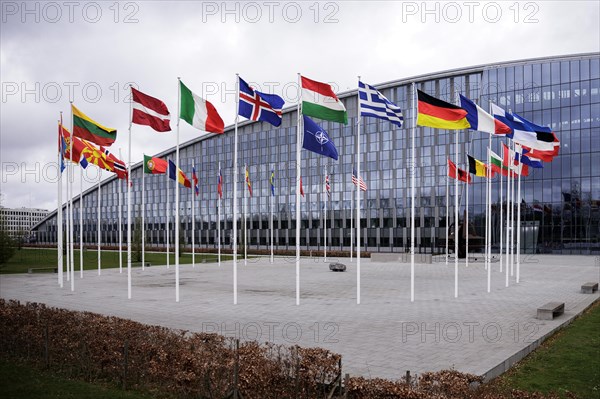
<point x="361" y="183"/>
<point x="327" y="186"/>
<point x="149" y="111"/>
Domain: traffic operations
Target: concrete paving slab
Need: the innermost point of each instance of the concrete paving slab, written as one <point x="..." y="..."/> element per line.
<point x="478" y="332"/>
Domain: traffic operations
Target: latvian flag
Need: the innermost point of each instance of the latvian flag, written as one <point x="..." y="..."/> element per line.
<point x="150" y="111"/>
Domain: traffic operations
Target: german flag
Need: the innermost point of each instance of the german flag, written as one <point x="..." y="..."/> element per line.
<point x="87" y="129"/>
<point x="440" y="114"/>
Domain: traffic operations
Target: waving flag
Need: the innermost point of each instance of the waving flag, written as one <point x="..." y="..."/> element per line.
<point x="198" y="112"/>
<point x="477" y="167"/>
<point x="118" y="166"/>
<point x="96" y="156"/>
<point x="87" y="129"/>
<point x="62" y="147"/>
<point x="149" y="111"/>
<point x="248" y="181"/>
<point x="319" y="101"/>
<point x="374" y="104"/>
<point x="155" y="165"/>
<point x="272" y="182"/>
<point x="177" y="174"/>
<point x="436" y="113"/>
<point x="301" y="187"/>
<point x="481" y="120"/>
<point x="220" y="184"/>
<point x="457" y="173"/>
<point x="357" y="180"/>
<point x="317" y="140"/>
<point x="258" y="106"/>
<point x="327" y="186"/>
<point x="195" y="180"/>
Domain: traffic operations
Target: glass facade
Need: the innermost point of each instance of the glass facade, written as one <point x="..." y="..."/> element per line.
<point x="560" y="204"/>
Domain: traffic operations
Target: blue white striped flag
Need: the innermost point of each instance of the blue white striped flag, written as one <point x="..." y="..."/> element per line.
<point x="373" y="103"/>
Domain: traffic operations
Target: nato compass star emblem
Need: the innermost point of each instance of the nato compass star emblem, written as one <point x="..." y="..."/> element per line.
<point x="321" y="137"/>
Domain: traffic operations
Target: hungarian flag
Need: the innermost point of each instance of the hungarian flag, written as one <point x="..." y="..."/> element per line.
<point x="87" y="129"/>
<point x="481" y="120"/>
<point x="248" y="183"/>
<point x="149" y="111"/>
<point x="198" y="112"/>
<point x="220" y="184"/>
<point x="319" y="100"/>
<point x="155" y="166"/>
<point x="477" y="167"/>
<point x="177" y="174"/>
<point x="119" y="167"/>
<point x="436" y="113"/>
<point x="195" y="180"/>
<point x="457" y="173"/>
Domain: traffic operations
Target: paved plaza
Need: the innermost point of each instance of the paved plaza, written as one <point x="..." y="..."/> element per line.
<point x="478" y="332"/>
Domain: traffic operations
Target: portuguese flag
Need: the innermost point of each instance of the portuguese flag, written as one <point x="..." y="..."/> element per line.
<point x="319" y="100"/>
<point x="155" y="166"/>
<point x="87" y="129"/>
<point x="436" y="113"/>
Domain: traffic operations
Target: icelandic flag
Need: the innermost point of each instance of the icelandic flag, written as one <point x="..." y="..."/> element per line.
<point x="258" y="106"/>
<point x="195" y="179"/>
<point x="481" y="120"/>
<point x="374" y="104"/>
<point x="317" y="140"/>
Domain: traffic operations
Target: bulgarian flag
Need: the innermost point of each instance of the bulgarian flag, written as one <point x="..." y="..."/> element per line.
<point x="319" y="100"/>
<point x="155" y="166"/>
<point x="88" y="129"/>
<point x="498" y="165"/>
<point x="198" y="112"/>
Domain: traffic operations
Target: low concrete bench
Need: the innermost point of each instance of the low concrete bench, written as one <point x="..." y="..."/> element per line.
<point x="41" y="269"/>
<point x="337" y="267"/>
<point x="589" y="288"/>
<point x="550" y="310"/>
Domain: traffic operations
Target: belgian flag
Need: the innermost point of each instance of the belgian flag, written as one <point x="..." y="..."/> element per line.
<point x="88" y="129"/>
<point x="477" y="167"/>
<point x="436" y="113"/>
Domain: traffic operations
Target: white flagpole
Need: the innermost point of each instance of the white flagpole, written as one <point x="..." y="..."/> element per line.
<point x="325" y="220"/>
<point x="489" y="213"/>
<point x="271" y="221"/>
<point x="412" y="195"/>
<point x="67" y="230"/>
<point x="143" y="219"/>
<point x="120" y="189"/>
<point x="128" y="182"/>
<point x="512" y="217"/>
<point x="488" y="184"/>
<point x="298" y="175"/>
<point x="81" y="223"/>
<point x="519" y="222"/>
<point x="466" y="227"/>
<point x="245" y="219"/>
<point x="352" y="221"/>
<point x="456" y="220"/>
<point x="59" y="212"/>
<point x="193" y="220"/>
<point x="219" y="222"/>
<point x="99" y="222"/>
<point x="358" y="177"/>
<point x="70" y="187"/>
<point x="168" y="213"/>
<point x="507" y="222"/>
<point x="501" y="221"/>
<point x="177" y="198"/>
<point x="235" y="181"/>
<point x="447" y="210"/>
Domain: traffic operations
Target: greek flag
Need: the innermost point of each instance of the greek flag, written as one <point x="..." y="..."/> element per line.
<point x="373" y="103"/>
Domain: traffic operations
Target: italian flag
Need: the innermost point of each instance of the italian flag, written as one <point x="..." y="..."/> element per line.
<point x="198" y="112"/>
<point x="319" y="101"/>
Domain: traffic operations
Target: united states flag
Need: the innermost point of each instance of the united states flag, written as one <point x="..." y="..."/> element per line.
<point x="374" y="104"/>
<point x="361" y="183"/>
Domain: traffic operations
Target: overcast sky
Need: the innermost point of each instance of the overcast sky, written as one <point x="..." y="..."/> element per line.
<point x="91" y="51"/>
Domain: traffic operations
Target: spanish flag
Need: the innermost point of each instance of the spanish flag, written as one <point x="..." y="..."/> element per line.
<point x="440" y="114"/>
<point x="87" y="129"/>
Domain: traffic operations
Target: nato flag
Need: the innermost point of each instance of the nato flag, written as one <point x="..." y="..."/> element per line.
<point x="317" y="140"/>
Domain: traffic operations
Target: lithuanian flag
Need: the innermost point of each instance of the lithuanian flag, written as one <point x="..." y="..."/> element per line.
<point x="440" y="114"/>
<point x="87" y="129"/>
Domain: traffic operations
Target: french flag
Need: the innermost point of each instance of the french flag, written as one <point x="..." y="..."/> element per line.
<point x="481" y="120"/>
